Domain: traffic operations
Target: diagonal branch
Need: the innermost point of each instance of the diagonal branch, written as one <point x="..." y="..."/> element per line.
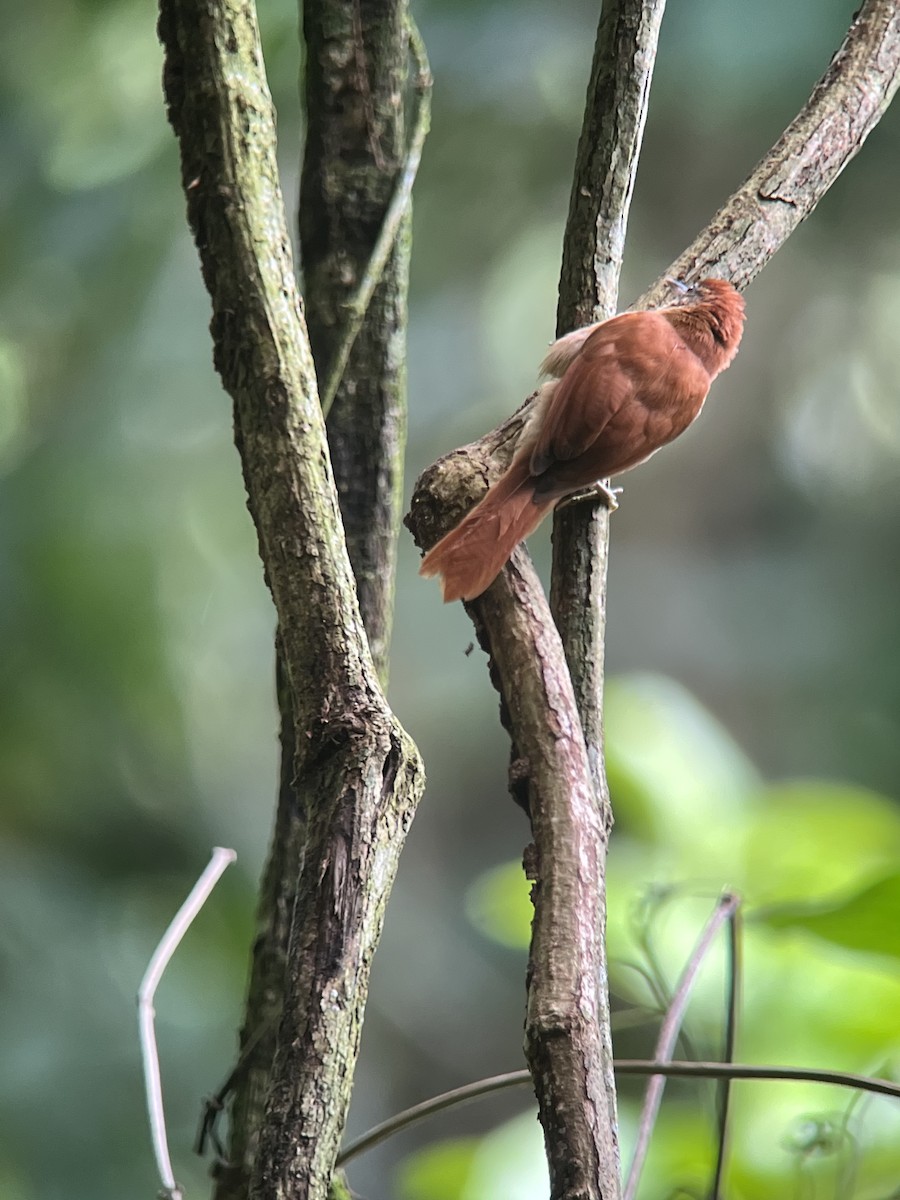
<point x="357" y="776"/>
<point x="787" y="184"/>
<point x="668" y="1037"/>
<point x="845" y="106"/>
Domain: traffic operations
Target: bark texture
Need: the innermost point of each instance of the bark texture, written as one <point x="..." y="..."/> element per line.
<point x="356" y="777"/>
<point x="355" y="86"/>
<point x="355" y="82"/>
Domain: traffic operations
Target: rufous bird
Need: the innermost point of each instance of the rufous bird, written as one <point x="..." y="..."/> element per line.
<point x="617" y="391"/>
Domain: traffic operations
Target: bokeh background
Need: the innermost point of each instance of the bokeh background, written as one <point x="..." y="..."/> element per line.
<point x="754" y="700"/>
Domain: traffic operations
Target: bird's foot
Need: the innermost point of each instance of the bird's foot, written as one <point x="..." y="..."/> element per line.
<point x="597" y="491"/>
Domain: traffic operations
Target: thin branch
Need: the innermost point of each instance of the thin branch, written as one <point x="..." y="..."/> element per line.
<point x="668" y="1036"/>
<point x="713" y="1070"/>
<point x="428" y="1108"/>
<point x="606" y="161"/>
<point x="643" y="924"/>
<point x="593" y="248"/>
<point x="734" y="974"/>
<point x="169" y="943"/>
<point x="787" y="184"/>
<point x="355" y="310"/>
<point x="214" y="1105"/>
<point x="624" y="1066"/>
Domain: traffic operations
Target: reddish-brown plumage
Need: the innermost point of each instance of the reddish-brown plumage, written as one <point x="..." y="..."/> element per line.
<point x="619" y="391"/>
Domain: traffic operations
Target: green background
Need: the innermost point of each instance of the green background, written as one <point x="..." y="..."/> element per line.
<point x="754" y="706"/>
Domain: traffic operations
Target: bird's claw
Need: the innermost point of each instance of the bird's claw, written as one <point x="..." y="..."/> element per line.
<point x="597" y="491"/>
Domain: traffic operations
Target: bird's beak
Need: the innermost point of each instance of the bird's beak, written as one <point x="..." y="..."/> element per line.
<point x="678" y="284"/>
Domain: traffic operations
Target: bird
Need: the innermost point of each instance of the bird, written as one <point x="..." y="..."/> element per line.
<point x="616" y="392"/>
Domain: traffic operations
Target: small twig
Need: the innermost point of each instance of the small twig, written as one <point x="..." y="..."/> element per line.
<point x="660" y="1000"/>
<point x="355" y="310"/>
<point x="623" y="1066"/>
<point x="418" y="1112"/>
<point x="651" y="906"/>
<point x="149" y="1054"/>
<point x="714" y="1070"/>
<point x="668" y="1036"/>
<point x="734" y="976"/>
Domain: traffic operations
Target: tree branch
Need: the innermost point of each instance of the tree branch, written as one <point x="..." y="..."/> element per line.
<point x="549" y="754"/>
<point x="593" y="248"/>
<point x="354" y="52"/>
<point x="787" y="184"/>
<point x="355" y="227"/>
<point x="558" y="770"/>
<point x="606" y="161"/>
<point x="357" y="775"/>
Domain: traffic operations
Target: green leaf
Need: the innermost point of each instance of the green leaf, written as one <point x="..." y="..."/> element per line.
<point x="813" y="840"/>
<point x="674" y="772"/>
<point x="439" y="1172"/>
<point x="865" y="921"/>
<point x="510" y="1163"/>
<point x="681" y="1150"/>
<point x="499" y="904"/>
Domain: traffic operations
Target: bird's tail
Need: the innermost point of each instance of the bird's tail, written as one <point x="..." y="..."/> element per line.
<point x="470" y="557"/>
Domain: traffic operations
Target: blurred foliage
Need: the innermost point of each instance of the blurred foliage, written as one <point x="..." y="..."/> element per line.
<point x="755" y="563"/>
<point x="804" y="1005"/>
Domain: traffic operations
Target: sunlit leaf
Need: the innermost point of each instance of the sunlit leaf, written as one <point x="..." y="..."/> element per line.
<point x="673" y="770"/>
<point x="681" y="1150"/>
<point x="439" y="1172"/>
<point x="499" y="904"/>
<point x="867" y="920"/>
<point x="510" y="1163"/>
<point x="812" y="839"/>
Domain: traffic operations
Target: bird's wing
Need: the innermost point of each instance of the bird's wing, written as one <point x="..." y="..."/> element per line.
<point x="631" y="382"/>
